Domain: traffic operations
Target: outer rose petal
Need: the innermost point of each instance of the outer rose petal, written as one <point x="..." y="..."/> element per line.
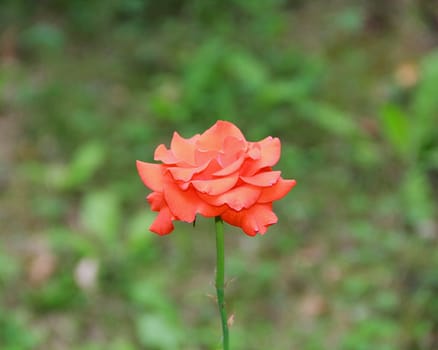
<point x="151" y="175"/>
<point x="184" y="205"/>
<point x="156" y="201"/>
<point x="238" y="198"/>
<point x="162" y="224"/>
<point x="278" y="191"/>
<point x="165" y="155"/>
<point x="263" y="179"/>
<point x="210" y="211"/>
<point x="213" y="138"/>
<point x="254" y="220"/>
<point x="216" y="186"/>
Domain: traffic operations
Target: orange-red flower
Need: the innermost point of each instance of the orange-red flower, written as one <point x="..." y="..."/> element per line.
<point x="217" y="173"/>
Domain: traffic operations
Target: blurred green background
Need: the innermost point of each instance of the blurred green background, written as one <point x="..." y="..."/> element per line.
<point x="88" y="87"/>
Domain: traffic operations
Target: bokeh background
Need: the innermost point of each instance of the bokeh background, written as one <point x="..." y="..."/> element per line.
<point x="350" y="87"/>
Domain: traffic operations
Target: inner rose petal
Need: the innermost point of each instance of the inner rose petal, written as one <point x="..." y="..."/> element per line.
<point x="231" y="168"/>
<point x="216" y="186"/>
<point x="183" y="149"/>
<point x="208" y="173"/>
<point x="270" y="149"/>
<point x="202" y="157"/>
<point x="213" y="138"/>
<point x="186" y="174"/>
<point x="232" y="149"/>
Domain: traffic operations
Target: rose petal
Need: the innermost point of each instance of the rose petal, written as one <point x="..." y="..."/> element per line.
<point x="270" y="149"/>
<point x="203" y="156"/>
<point x="238" y="198"/>
<point x="151" y="175"/>
<point x="186" y="204"/>
<point x="162" y="224"/>
<point x="254" y="150"/>
<point x="210" y="211"/>
<point x="264" y="179"/>
<point x="253" y="220"/>
<point x="183" y="149"/>
<point x="186" y="174"/>
<point x="208" y="173"/>
<point x="230" y="168"/>
<point x="213" y="138"/>
<point x="156" y="201"/>
<point x="182" y="204"/>
<point x="164" y="155"/>
<point x="216" y="186"/>
<point x="232" y="150"/>
<point x="278" y="191"/>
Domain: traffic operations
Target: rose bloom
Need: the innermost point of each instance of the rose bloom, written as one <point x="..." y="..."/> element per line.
<point x="217" y="173"/>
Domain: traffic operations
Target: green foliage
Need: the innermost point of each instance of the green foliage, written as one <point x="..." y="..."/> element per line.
<point x="88" y="87"/>
<point x="15" y="334"/>
<point x="397" y="129"/>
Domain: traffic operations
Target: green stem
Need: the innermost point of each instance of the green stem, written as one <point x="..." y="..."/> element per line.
<point x="220" y="276"/>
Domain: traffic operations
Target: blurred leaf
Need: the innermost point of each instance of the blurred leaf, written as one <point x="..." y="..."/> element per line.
<point x="86" y="161"/>
<point x="367" y="153"/>
<point x="155" y="332"/>
<point x="100" y="213"/>
<point x="15" y="333"/>
<point x="148" y="294"/>
<point x="122" y="344"/>
<point x="425" y="103"/>
<point x="376" y="333"/>
<point x="138" y="229"/>
<point x="9" y="267"/>
<point x="387" y="300"/>
<point x="65" y="241"/>
<point x="58" y="293"/>
<point x="84" y="164"/>
<point x="350" y="19"/>
<point x="431" y="158"/>
<point x="397" y="130"/>
<point x="43" y="38"/>
<point x="417" y="197"/>
<point x="329" y="118"/>
<point x="247" y="69"/>
<point x="285" y="91"/>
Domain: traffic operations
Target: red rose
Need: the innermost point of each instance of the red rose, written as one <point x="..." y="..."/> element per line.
<point x="217" y="173"/>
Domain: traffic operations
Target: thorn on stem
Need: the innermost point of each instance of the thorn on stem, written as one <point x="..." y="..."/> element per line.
<point x="231" y="280"/>
<point x="212" y="297"/>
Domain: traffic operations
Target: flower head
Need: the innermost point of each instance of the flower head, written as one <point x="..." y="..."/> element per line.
<point x="217" y="173"/>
